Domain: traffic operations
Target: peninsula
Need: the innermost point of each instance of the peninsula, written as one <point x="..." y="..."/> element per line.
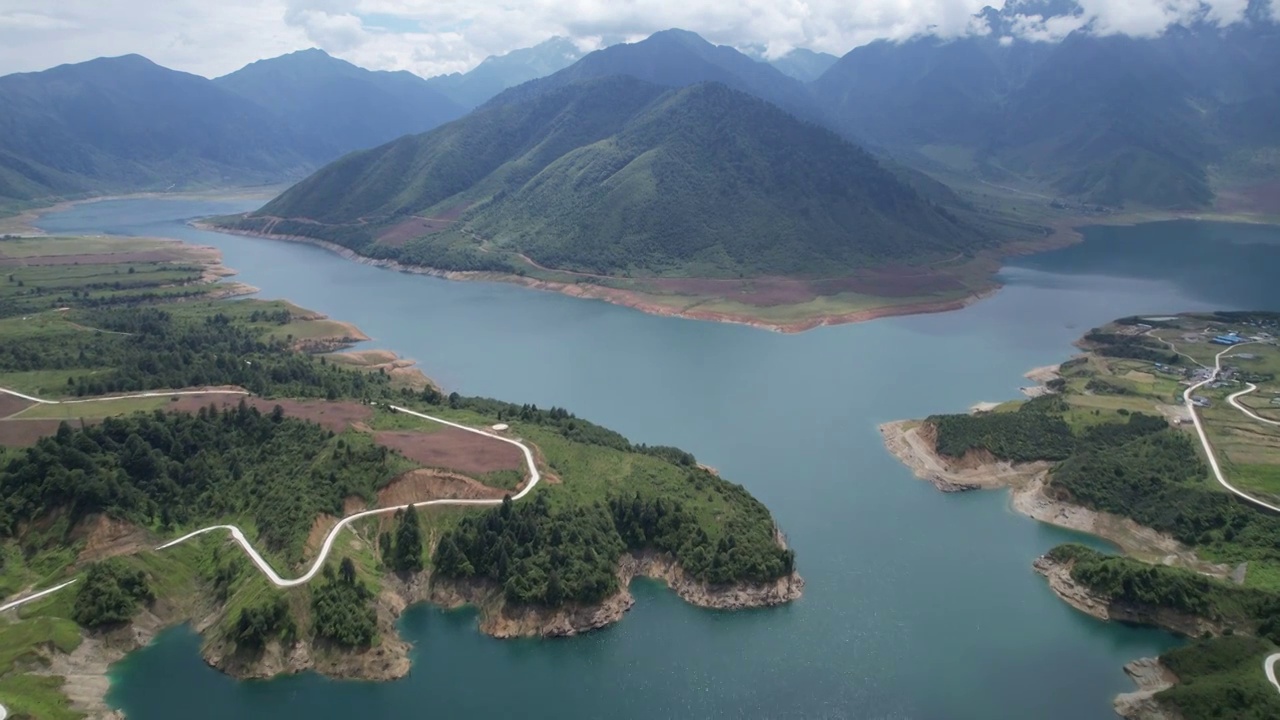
<point x="166" y="457"/>
<point x="1163" y="438"/>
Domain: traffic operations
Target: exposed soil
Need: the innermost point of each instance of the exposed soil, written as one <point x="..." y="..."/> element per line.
<point x="174" y="255"/>
<point x="453" y="449"/>
<point x="336" y="416"/>
<point x="914" y="445"/>
<point x="425" y="484"/>
<point x="25" y="433"/>
<point x="891" y="282"/>
<point x="10" y="405"/>
<point x="107" y="537"/>
<point x="1261" y="197"/>
<point x="651" y="303"/>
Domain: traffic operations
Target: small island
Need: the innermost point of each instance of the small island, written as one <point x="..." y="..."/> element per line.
<point x="1162" y="437"/>
<point x="168" y="457"/>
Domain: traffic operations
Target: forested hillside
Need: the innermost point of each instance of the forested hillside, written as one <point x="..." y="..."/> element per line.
<point x="1106" y="118"/>
<point x="127" y="123"/>
<point x="347" y="107"/>
<point x="619" y="176"/>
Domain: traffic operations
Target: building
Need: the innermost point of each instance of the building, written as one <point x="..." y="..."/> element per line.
<point x="1228" y="339"/>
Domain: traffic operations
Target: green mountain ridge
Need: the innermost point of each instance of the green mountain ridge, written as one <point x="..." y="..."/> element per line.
<point x="1107" y="119"/>
<point x="619" y="176"/>
<point x="499" y="72"/>
<point x="346" y="106"/>
<point x="126" y="124"/>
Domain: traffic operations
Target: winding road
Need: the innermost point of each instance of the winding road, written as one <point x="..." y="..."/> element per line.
<point x="1268" y="665"/>
<point x="1204" y="439"/>
<point x="327" y="546"/>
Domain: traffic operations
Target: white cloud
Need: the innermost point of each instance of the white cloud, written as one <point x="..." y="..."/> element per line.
<point x="435" y="36"/>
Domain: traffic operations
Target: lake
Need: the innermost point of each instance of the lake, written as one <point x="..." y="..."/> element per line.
<point x="918" y="604"/>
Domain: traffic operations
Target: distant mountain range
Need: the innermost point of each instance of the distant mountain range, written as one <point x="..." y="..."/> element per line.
<point x="1107" y="119"/>
<point x="342" y="106"/>
<point x="126" y="124"/>
<point x="1160" y="122"/>
<point x="676" y="58"/>
<point x="617" y="175"/>
<point x="499" y="72"/>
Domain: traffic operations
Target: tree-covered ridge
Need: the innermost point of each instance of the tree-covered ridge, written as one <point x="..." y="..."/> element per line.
<point x="163" y="350"/>
<point x="542" y="553"/>
<point x="618" y="176"/>
<point x="1221" y="679"/>
<point x="1036" y="431"/>
<point x="1125" y="580"/>
<point x="110" y="594"/>
<point x="166" y="469"/>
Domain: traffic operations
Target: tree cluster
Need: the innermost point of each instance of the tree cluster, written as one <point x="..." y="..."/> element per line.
<point x="341" y="609"/>
<point x="110" y="594"/>
<point x="178" y="468"/>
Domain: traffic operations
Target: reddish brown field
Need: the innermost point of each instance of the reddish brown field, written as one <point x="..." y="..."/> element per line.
<point x="453" y="449"/>
<point x="25" y="433"/>
<point x="422" y="485"/>
<point x="10" y="405"/>
<point x="415" y="227"/>
<point x="336" y="416"/>
<point x="100" y="259"/>
<point x="768" y="292"/>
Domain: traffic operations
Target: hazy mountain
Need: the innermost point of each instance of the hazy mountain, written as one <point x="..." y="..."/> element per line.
<point x="499" y="72"/>
<point x="803" y="64"/>
<point x="344" y="106"/>
<point x="620" y="175"/>
<point x="1109" y="119"/>
<point x="128" y="124"/>
<point x="676" y="58"/>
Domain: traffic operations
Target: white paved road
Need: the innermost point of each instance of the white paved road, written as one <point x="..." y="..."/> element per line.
<point x="1204" y="439"/>
<point x="327" y="546"/>
<point x="154" y="393"/>
<point x="1269" y="666"/>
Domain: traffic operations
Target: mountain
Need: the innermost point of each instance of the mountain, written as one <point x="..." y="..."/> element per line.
<point x="499" y="72"/>
<point x="803" y="64"/>
<point x="1107" y="119"/>
<point x="616" y="175"/>
<point x="344" y="106"/>
<point x="676" y="58"/>
<point x="126" y="123"/>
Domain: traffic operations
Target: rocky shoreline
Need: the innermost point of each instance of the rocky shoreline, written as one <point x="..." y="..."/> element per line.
<point x="626" y="298"/>
<point x="500" y="620"/>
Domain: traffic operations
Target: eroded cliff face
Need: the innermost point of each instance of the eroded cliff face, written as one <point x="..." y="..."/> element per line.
<point x="387" y="660"/>
<point x="1151" y="677"/>
<point x="1085" y="600"/>
<point x="500" y="619"/>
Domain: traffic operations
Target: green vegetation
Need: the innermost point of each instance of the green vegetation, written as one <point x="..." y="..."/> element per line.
<point x="1036" y="431"/>
<point x="1125" y="580"/>
<point x="340" y="603"/>
<point x="619" y="177"/>
<point x="407" y="556"/>
<point x="257" y="624"/>
<point x="1221" y="679"/>
<point x="163" y="350"/>
<point x="538" y="556"/>
<point x="172" y="469"/>
<point x="1109" y="456"/>
<point x="110" y="594"/>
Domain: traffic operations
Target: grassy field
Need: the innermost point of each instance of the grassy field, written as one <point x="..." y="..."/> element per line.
<point x="92" y="410"/>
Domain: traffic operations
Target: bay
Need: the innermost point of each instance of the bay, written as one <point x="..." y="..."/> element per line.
<point x="918" y="604"/>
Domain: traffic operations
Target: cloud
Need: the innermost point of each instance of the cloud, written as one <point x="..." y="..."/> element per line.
<point x="430" y="37"/>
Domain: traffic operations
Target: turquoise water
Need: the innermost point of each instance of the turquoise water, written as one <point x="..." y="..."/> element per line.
<point x="918" y="604"/>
